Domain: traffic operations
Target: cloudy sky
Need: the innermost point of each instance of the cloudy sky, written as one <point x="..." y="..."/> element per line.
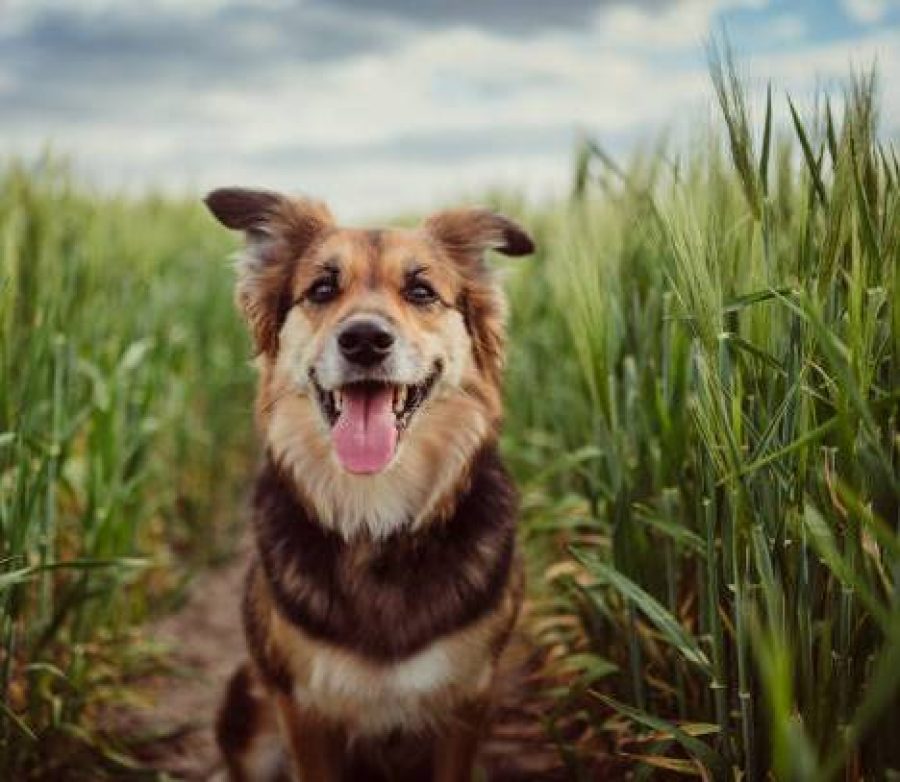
<point x="380" y="105"/>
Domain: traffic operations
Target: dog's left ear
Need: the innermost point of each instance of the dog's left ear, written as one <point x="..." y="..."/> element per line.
<point x="467" y="233"/>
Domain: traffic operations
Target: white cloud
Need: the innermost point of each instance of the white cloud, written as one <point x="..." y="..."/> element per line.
<point x="787" y="28"/>
<point x="868" y="11"/>
<point x="32" y="8"/>
<point x="675" y="26"/>
<point x="451" y="81"/>
<point x="433" y="114"/>
<point x="832" y="64"/>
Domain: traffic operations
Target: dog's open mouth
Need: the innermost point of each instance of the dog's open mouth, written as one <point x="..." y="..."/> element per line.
<point x="368" y="417"/>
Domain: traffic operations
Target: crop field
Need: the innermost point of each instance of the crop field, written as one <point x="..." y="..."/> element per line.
<point x="702" y="395"/>
<point x="124" y="440"/>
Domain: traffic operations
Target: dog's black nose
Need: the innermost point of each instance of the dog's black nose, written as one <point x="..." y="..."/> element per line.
<point x="365" y="342"/>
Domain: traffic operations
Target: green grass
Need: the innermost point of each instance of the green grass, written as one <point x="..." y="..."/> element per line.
<point x="123" y="417"/>
<point x="702" y="412"/>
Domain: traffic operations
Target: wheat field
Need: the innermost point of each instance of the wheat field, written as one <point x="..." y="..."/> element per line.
<point x="702" y="412"/>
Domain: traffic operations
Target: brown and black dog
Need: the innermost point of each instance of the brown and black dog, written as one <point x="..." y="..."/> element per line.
<point x="385" y="582"/>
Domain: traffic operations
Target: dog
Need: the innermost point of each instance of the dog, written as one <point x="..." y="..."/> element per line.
<point x="385" y="580"/>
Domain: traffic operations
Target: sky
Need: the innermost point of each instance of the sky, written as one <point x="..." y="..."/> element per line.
<point x="380" y="106"/>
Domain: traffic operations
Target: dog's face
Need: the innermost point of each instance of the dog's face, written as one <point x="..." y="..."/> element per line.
<point x="376" y="345"/>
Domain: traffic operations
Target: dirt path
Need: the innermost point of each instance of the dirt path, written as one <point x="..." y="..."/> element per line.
<point x="173" y="733"/>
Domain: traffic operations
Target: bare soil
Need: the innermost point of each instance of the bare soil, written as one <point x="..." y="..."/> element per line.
<point x="173" y="731"/>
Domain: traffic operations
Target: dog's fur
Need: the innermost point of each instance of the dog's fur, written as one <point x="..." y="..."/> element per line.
<point x="377" y="605"/>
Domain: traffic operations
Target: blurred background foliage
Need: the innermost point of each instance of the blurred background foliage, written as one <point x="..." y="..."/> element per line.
<point x="703" y="403"/>
<point x="124" y="438"/>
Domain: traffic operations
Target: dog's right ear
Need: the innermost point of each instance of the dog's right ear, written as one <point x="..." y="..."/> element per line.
<point x="278" y="230"/>
<point x="243" y="209"/>
<point x="265" y="215"/>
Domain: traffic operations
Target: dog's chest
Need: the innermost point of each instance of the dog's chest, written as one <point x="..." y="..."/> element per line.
<point x="421" y="674"/>
<point x="375" y="698"/>
<point x="392" y="599"/>
<point x="381" y="634"/>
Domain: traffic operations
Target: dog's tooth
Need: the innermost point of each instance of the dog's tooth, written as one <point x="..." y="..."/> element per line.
<point x="338" y="401"/>
<point x="399" y="399"/>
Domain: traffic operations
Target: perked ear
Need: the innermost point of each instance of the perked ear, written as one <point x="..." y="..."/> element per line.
<point x="467" y="233"/>
<point x="243" y="209"/>
<point x="464" y="235"/>
<point x="262" y="213"/>
<point x="279" y="230"/>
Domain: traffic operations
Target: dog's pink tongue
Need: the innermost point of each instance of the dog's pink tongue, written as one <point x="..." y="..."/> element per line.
<point x="365" y="434"/>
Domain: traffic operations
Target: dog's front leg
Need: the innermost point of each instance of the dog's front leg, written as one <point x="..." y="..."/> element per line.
<point x="315" y="748"/>
<point x="455" y="749"/>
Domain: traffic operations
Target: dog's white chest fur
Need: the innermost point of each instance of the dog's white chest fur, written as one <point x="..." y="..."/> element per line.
<point x="340" y="676"/>
<point x="377" y="698"/>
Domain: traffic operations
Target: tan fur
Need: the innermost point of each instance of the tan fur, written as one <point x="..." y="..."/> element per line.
<point x="464" y="408"/>
<point x="369" y="698"/>
<point x="317" y="695"/>
<point x="263" y="272"/>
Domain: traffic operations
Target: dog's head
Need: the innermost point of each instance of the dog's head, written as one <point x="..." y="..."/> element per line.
<point x="380" y="349"/>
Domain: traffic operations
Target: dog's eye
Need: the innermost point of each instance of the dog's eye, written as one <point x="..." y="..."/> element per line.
<point x="420" y="293"/>
<point x="323" y="290"/>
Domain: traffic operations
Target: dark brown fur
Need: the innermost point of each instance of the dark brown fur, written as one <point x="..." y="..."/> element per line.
<point x="388" y="599"/>
<point x="235" y="726"/>
<point x="445" y="578"/>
